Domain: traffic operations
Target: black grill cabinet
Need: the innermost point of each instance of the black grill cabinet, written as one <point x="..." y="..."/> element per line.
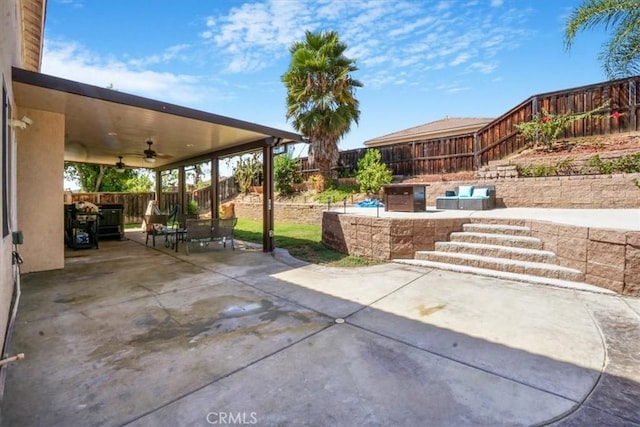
<point x="111" y="225"/>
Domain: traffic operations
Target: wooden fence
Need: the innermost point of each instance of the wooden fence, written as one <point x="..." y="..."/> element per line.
<point x="500" y="138"/>
<point x="135" y="204"/>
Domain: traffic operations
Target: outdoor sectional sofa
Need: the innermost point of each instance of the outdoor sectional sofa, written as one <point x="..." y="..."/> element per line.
<point x="468" y="197"/>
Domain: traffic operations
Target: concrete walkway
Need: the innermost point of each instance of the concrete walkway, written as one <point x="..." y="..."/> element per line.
<point x="130" y="335"/>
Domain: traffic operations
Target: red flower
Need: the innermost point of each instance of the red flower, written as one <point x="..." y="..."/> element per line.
<point x="546" y="119"/>
<point x="615" y="114"/>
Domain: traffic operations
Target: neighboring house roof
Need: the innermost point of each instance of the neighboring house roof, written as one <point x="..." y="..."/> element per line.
<point x="448" y="126"/>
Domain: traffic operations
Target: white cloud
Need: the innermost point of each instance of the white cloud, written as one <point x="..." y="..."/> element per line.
<point x="483" y="67"/>
<point x="460" y="59"/>
<point x="72" y="61"/>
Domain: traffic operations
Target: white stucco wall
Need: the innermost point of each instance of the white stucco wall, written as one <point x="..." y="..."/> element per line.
<point x="40" y="190"/>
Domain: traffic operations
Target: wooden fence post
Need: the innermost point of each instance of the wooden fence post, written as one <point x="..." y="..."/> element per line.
<point x="476" y="151"/>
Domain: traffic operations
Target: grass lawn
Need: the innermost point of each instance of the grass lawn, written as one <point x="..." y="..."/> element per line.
<point x="303" y="241"/>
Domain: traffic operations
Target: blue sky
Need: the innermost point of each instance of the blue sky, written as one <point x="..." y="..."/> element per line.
<point x="418" y="60"/>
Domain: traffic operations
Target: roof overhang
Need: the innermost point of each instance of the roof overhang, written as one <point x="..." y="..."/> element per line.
<point x="32" y="17"/>
<point x="102" y="124"/>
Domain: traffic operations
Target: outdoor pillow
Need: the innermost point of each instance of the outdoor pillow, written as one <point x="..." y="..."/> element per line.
<point x="449" y="193"/>
<point x="480" y="192"/>
<point x="465" y="190"/>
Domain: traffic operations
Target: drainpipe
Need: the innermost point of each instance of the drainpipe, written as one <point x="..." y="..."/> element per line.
<point x="16" y="261"/>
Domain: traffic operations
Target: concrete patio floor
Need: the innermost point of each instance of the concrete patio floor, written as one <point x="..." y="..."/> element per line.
<point x="131" y="335"/>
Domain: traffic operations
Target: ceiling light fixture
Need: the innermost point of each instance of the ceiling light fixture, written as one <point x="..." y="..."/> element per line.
<point x="120" y="165"/>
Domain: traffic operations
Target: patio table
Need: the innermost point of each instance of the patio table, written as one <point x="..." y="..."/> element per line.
<point x="173" y="236"/>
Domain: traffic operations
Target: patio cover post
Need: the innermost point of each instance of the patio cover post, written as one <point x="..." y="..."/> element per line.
<point x="182" y="189"/>
<point x="267" y="196"/>
<point x="215" y="181"/>
<point x="158" y="187"/>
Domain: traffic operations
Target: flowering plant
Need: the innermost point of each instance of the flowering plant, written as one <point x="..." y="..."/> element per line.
<point x="545" y="128"/>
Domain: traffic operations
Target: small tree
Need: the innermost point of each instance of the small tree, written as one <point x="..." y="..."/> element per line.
<point x="286" y="173"/>
<point x="372" y="174"/>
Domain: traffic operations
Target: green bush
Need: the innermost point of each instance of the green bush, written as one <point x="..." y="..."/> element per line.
<point x="563" y="167"/>
<point x="626" y="164"/>
<point x="286" y="173"/>
<point x="192" y="207"/>
<point x="595" y="165"/>
<point x="372" y="174"/>
<point x="336" y="193"/>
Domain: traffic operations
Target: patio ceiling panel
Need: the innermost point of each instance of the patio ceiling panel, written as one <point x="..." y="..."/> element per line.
<point x="102" y="124"/>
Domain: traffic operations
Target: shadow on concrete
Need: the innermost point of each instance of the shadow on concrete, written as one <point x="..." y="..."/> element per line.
<point x="131" y="335"/>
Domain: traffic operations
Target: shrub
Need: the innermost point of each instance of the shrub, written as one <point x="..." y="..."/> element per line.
<point x="335" y="194"/>
<point x="316" y="182"/>
<point x="286" y="173"/>
<point x="372" y="174"/>
<point x="625" y="164"/>
<point x="563" y="167"/>
<point x="192" y="207"/>
<point x="545" y="128"/>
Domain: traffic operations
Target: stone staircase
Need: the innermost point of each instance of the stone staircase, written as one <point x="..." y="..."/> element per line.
<point x="501" y="251"/>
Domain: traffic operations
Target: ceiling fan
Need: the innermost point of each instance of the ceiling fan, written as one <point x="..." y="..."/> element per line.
<point x="149" y="154"/>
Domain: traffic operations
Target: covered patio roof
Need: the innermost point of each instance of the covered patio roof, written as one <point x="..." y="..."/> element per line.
<point x="102" y="124"/>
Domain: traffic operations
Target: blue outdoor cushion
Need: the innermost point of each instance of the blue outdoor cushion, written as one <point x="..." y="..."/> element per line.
<point x="465" y="190"/>
<point x="480" y="192"/>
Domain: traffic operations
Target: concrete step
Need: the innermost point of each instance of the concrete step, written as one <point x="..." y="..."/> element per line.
<point x="501" y="264"/>
<point x="497" y="239"/>
<point x="497" y="251"/>
<point x="524" y="278"/>
<point x="512" y="230"/>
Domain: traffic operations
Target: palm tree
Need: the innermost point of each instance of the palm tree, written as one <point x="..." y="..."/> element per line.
<point x="621" y="54"/>
<point x="320" y="95"/>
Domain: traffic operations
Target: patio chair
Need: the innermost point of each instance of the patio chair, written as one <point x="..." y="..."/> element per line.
<point x="205" y="231"/>
<point x="155" y="225"/>
<point x="223" y="230"/>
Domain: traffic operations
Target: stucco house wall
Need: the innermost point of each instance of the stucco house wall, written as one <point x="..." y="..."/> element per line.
<point x="10" y="48"/>
<point x="40" y="186"/>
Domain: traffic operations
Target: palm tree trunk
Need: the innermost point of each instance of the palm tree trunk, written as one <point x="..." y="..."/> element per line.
<point x="324" y="168"/>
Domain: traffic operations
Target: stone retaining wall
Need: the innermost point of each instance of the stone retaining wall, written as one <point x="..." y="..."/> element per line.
<point x="293" y="213"/>
<point x="609" y="258"/>
<point x="579" y="191"/>
<point x="385" y="238"/>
